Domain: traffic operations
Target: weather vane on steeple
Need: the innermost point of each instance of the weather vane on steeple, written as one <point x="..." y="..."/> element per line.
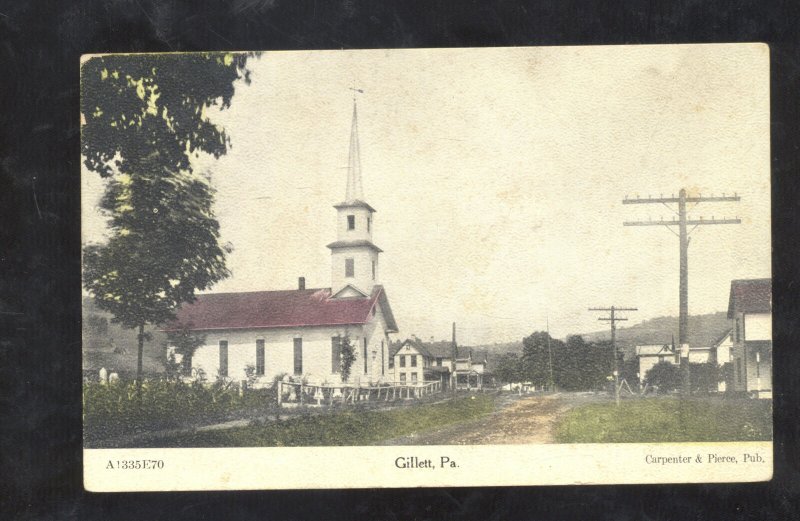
<point x="355" y="90"/>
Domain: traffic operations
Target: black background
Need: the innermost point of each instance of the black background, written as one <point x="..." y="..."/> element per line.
<point x="40" y="375"/>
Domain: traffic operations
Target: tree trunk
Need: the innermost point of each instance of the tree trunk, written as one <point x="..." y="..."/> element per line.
<point x="139" y="354"/>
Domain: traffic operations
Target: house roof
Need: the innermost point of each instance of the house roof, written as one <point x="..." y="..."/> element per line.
<point x="276" y="309"/>
<point x="654" y="350"/>
<point x="441" y="349"/>
<point x="355" y="203"/>
<point x="723" y="337"/>
<point x="750" y="296"/>
<point x="350" y="244"/>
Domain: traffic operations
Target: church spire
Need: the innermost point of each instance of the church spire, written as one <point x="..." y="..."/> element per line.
<point x="355" y="191"/>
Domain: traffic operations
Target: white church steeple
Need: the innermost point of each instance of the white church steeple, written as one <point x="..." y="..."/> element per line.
<point x="354" y="257"/>
<point x="355" y="192"/>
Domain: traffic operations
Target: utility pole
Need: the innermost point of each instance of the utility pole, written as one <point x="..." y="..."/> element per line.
<point x="613" y="318"/>
<point x="455" y="355"/>
<point x="550" y="357"/>
<point x="682" y="222"/>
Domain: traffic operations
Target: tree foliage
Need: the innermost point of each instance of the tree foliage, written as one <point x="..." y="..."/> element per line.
<point x="135" y="105"/>
<point x="577" y="365"/>
<point x="348" y="356"/>
<point x="536" y="357"/>
<point x="665" y="376"/>
<point x="185" y="343"/>
<point x="508" y="368"/>
<point x="705" y="377"/>
<point x="143" y="117"/>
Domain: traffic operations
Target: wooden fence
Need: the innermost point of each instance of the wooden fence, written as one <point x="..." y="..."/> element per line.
<point x="296" y="393"/>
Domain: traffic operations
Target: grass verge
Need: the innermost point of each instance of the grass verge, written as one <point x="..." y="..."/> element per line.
<point x="668" y="420"/>
<point x="345" y="427"/>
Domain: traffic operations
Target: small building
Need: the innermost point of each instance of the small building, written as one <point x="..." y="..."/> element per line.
<point x="651" y="354"/>
<point x="471" y="371"/>
<point x="750" y="308"/>
<point x="722" y="355"/>
<point x="416" y="362"/>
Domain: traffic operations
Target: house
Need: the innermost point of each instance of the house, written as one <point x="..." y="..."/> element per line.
<point x="722" y="355"/>
<point x="706" y="345"/>
<point x="470" y="371"/>
<point x="651" y="354"/>
<point x="300" y="332"/>
<point x="750" y="308"/>
<point x="416" y="362"/>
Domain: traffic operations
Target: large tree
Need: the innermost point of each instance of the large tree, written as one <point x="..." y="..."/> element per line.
<point x="143" y="118"/>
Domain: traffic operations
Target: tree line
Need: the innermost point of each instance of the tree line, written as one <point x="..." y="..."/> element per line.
<point x="576" y="365"/>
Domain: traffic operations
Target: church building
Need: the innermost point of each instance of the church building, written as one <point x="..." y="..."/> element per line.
<point x="299" y="332"/>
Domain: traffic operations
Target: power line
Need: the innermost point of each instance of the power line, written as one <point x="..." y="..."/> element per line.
<point x="613" y="318"/>
<point x="682" y="222"/>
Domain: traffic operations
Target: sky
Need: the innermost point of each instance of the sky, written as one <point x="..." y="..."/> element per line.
<point x="498" y="176"/>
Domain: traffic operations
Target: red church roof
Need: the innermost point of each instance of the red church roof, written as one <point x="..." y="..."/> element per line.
<point x="750" y="296"/>
<point x="275" y="309"/>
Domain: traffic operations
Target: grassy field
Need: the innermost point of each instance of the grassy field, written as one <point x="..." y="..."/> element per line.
<point x="345" y="427"/>
<point x="668" y="420"/>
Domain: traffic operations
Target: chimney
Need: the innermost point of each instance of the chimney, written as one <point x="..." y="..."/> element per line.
<point x="301" y="283"/>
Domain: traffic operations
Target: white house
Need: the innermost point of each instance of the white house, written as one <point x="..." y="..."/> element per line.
<point x="298" y="332"/>
<point x="750" y="307"/>
<point x="722" y="355"/>
<point x="651" y="354"/>
<point x="718" y="352"/>
<point x="414" y="361"/>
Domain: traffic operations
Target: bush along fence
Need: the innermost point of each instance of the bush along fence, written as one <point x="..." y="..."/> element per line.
<point x="292" y="394"/>
<point x="114" y="409"/>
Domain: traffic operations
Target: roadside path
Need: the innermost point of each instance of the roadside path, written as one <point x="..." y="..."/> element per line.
<point x="517" y="420"/>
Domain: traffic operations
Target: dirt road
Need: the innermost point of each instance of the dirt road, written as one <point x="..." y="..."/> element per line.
<point x="516" y="420"/>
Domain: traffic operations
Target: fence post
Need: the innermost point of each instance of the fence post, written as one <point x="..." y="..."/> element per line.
<point x="279" y="386"/>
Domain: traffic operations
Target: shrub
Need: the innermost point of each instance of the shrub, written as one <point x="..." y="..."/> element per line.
<point x="664" y="376"/>
<point x="114" y="410"/>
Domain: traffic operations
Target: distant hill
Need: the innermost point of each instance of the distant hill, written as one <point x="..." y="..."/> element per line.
<point x="704" y="331"/>
<point x="113" y="347"/>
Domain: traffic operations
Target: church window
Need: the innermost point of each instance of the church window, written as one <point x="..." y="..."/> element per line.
<point x="351" y="222"/>
<point x="223" y="358"/>
<point x="365" y="356"/>
<point x="260" y="357"/>
<point x="336" y="354"/>
<point x="373" y="270"/>
<point x="369" y="224"/>
<point x="298" y="356"/>
<point x="349" y="267"/>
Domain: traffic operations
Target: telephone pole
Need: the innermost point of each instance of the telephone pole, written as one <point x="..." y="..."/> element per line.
<point x="613" y="318"/>
<point x="682" y="222"/>
<point x="550" y="357"/>
<point x="454" y="384"/>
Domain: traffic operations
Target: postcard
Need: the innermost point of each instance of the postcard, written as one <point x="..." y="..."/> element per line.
<point x="426" y="267"/>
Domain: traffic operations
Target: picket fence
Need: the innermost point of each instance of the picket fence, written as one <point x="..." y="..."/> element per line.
<point x="296" y="393"/>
